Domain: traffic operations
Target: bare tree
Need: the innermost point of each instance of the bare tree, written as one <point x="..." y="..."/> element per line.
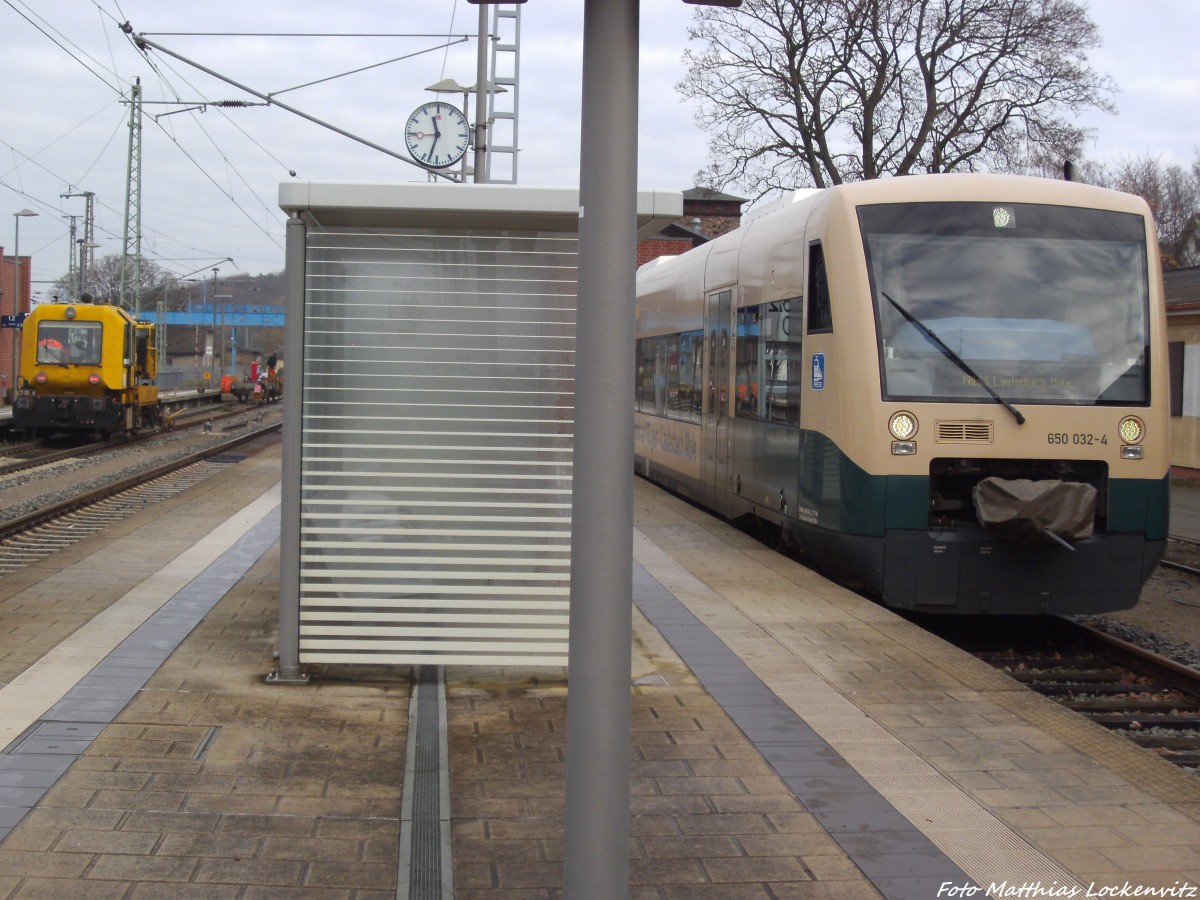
<point x="1173" y="194"/>
<point x="104" y="279"/>
<point x="818" y="92"/>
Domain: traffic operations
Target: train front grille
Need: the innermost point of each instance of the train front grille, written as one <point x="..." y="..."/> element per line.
<point x="964" y="432"/>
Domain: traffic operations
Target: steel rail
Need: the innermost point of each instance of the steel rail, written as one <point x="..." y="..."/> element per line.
<point x="45" y="514"/>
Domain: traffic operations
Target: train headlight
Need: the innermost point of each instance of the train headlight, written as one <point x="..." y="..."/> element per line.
<point x="69" y="312"/>
<point x="40" y="377"/>
<point x="1131" y="430"/>
<point x="903" y="426"/>
<point x="93" y="378"/>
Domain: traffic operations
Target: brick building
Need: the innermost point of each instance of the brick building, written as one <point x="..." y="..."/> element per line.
<point x="1183" y="332"/>
<point x="706" y="214"/>
<point x="8" y="335"/>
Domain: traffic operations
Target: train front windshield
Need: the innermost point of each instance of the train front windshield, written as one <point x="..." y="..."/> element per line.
<point x="1044" y="304"/>
<point x="69" y="343"/>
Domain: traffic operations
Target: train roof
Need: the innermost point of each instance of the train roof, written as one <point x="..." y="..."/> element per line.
<point x="83" y="311"/>
<point x="916" y="188"/>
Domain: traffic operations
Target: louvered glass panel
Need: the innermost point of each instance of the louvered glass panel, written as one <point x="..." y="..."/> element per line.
<point x="436" y="444"/>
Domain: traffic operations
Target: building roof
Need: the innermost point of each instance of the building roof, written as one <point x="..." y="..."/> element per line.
<point x="702" y="193"/>
<point x="1182" y="287"/>
<point x="686" y="232"/>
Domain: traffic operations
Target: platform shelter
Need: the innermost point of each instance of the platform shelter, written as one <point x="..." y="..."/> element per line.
<point x="429" y="421"/>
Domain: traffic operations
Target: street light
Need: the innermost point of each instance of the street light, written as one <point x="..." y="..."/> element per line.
<point x="450" y="86"/>
<point x="17" y="216"/>
<point x="213" y="360"/>
<point x="85" y="248"/>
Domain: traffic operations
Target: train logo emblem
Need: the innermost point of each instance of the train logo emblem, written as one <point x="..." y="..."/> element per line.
<point x="818" y="372"/>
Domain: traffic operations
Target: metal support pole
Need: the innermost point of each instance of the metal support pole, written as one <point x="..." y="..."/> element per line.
<point x="131" y="246"/>
<point x="482" y="90"/>
<point x="82" y="269"/>
<point x="12" y="378"/>
<point x="215" y="378"/>
<point x="17" y="332"/>
<point x="72" y="280"/>
<point x="596" y="865"/>
<point x="288" y="670"/>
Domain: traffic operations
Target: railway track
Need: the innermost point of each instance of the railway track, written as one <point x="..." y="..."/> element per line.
<point x="31" y="537"/>
<point x="1186" y="553"/>
<point x="33" y="454"/>
<point x="1149" y="699"/>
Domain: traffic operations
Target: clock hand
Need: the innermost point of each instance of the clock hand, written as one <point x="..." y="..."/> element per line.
<point x="436" y="134"/>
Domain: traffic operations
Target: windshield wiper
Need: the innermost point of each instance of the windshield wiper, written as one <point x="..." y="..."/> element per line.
<point x="953" y="357"/>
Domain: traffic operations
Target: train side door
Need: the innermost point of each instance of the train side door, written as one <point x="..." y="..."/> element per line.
<point x="717" y="312"/>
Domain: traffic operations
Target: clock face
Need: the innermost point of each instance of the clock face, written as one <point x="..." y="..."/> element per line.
<point x="437" y="134"/>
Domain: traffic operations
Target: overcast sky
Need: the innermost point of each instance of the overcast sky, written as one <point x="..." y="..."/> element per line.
<point x="210" y="180"/>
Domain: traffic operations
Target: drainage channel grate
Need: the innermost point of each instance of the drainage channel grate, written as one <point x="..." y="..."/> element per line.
<point x="425" y="868"/>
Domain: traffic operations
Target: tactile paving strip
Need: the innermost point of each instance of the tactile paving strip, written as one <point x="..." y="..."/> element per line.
<point x="32" y="763"/>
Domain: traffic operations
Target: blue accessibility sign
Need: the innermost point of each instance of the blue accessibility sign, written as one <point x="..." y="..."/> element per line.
<point x="818" y="372"/>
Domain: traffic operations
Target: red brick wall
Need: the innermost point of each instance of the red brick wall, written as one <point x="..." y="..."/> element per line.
<point x="7" y="335"/>
<point x="656" y="247"/>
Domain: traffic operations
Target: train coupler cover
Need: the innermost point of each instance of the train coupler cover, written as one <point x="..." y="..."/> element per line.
<point x="1035" y="512"/>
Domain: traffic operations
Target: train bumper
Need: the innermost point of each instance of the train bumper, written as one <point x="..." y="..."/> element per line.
<point x="68" y="413"/>
<point x="971" y="574"/>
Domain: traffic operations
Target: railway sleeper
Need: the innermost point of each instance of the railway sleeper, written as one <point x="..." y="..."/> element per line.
<point x="1057" y="688"/>
<point x="1182" y="721"/>
<point x="1130" y="703"/>
<point x="1048" y="663"/>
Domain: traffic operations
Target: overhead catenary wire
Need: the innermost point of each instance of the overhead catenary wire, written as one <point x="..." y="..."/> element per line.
<point x="56" y="210"/>
<point x="446" y="55"/>
<point x="385" y="62"/>
<point x="220" y="106"/>
<point x="227" y="193"/>
<point x="215" y="184"/>
<point x="95" y="68"/>
<point x="311" y="34"/>
<point x="77" y="125"/>
<point x="98" y="147"/>
<point x="61" y="45"/>
<point x="142" y="43"/>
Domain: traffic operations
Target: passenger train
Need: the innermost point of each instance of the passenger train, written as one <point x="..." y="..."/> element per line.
<point x="950" y="390"/>
<point x="86" y="368"/>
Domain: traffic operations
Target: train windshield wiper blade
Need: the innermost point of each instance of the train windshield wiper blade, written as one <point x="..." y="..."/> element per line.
<point x="953" y="357"/>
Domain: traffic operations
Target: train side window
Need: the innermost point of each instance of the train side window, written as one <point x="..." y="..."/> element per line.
<point x="820" y="312"/>
<point x="748" y="363"/>
<point x="644" y="401"/>
<point x="691" y="375"/>
<point x="1175" y="356"/>
<point x="669" y="376"/>
<point x="768" y="363"/>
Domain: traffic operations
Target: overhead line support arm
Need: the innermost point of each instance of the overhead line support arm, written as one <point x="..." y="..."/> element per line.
<point x="142" y="42"/>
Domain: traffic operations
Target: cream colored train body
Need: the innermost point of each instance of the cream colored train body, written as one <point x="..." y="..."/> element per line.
<point x="950" y="389"/>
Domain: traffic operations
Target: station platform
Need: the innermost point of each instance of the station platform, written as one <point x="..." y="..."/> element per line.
<point x="790" y="739"/>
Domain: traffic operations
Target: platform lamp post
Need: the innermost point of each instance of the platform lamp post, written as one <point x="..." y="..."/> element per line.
<point x="84" y="248"/>
<point x="17" y="216"/>
<point x="213" y="361"/>
<point x="450" y="86"/>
